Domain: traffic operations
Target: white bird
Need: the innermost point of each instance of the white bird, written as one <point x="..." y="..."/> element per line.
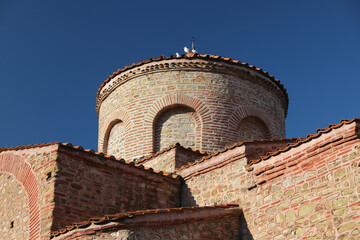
<point x="177" y="55"/>
<point x="186" y="50"/>
<point x="193" y="51"/>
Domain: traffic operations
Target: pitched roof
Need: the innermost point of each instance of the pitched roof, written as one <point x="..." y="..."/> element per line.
<point x="196" y="56"/>
<point x="91" y="151"/>
<point x="230" y="147"/>
<point x="308" y="138"/>
<point x="177" y="145"/>
<point x="121" y="216"/>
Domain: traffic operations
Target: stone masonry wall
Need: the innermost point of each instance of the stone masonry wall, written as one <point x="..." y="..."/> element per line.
<point x="169" y="159"/>
<point x="88" y="185"/>
<point x="116" y="141"/>
<point x="13" y="199"/>
<point x="221" y="96"/>
<point x="196" y="223"/>
<point x="176" y="125"/>
<point x="26" y="191"/>
<point x="310" y="191"/>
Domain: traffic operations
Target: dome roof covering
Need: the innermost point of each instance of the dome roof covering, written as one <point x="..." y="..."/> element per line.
<point x="101" y="94"/>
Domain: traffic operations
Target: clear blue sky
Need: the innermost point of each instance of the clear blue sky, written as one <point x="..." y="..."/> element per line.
<point x="55" y="54"/>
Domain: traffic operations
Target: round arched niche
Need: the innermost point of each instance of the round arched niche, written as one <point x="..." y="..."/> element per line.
<point x="15" y="216"/>
<point x="176" y="124"/>
<point x="252" y="128"/>
<point x="115" y="139"/>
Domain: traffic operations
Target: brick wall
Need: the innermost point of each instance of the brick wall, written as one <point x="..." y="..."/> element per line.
<point x="308" y="191"/>
<point x="26" y="191"/>
<point x="171" y="158"/>
<point x="88" y="185"/>
<point x="196" y="223"/>
<point x="221" y="96"/>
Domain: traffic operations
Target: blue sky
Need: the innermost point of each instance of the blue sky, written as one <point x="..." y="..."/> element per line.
<point x="55" y="54"/>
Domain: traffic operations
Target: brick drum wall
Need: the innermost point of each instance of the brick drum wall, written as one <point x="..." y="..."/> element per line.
<point x="221" y="95"/>
<point x="176" y="125"/>
<point x="15" y="224"/>
<point x="116" y="142"/>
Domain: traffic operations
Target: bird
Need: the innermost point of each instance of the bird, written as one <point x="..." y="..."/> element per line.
<point x="193" y="51"/>
<point x="177" y="55"/>
<point x="186" y="50"/>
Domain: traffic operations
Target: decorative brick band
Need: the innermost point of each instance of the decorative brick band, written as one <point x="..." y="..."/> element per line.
<point x="202" y="116"/>
<point x="193" y="63"/>
<point x="15" y="165"/>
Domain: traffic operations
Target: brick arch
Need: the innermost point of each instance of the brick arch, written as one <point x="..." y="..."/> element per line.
<point x="242" y="113"/>
<point x="168" y="110"/>
<point x="120" y="115"/>
<point x="21" y="170"/>
<point x="169" y="101"/>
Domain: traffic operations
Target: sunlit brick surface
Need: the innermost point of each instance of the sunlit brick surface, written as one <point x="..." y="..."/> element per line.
<point x="220" y="96"/>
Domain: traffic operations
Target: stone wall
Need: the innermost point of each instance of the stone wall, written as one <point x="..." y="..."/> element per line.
<point x="220" y="97"/>
<point x="171" y="158"/>
<point x="26" y="191"/>
<point x="194" y="223"/>
<point x="89" y="185"/>
<point x="15" y="221"/>
<point x="307" y="191"/>
<point x="116" y="140"/>
<point x="175" y="125"/>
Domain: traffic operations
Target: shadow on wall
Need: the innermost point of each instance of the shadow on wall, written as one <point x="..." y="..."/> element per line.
<point x="188" y="200"/>
<point x="186" y="197"/>
<point x="244" y="231"/>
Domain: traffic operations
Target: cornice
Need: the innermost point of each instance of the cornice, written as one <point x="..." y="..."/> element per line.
<point x="194" y="62"/>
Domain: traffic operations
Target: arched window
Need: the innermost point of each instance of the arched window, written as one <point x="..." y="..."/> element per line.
<point x="177" y="124"/>
<point x="115" y="144"/>
<point x="252" y="128"/>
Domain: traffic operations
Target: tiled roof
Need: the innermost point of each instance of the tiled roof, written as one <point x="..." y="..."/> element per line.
<point x="91" y="151"/>
<point x="177" y="145"/>
<point x="28" y="146"/>
<point x="196" y="56"/>
<point x="308" y="138"/>
<point x="120" y="216"/>
<point x="230" y="147"/>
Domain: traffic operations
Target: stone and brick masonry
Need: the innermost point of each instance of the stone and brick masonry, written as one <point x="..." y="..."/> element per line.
<point x="260" y="188"/>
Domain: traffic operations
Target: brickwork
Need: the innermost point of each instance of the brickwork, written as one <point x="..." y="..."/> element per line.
<point x="88" y="186"/>
<point x="221" y="97"/>
<point x="116" y="140"/>
<point x="13" y="198"/>
<point x="309" y="191"/>
<point x="32" y="169"/>
<point x="252" y="128"/>
<point x="171" y="158"/>
<point x="176" y="125"/>
<point x="196" y="223"/>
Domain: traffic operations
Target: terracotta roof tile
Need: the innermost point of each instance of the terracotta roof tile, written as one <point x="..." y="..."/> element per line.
<point x="195" y="56"/>
<point x="90" y="151"/>
<point x="308" y="138"/>
<point x="177" y="145"/>
<point x="120" y="216"/>
<point x="230" y="147"/>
